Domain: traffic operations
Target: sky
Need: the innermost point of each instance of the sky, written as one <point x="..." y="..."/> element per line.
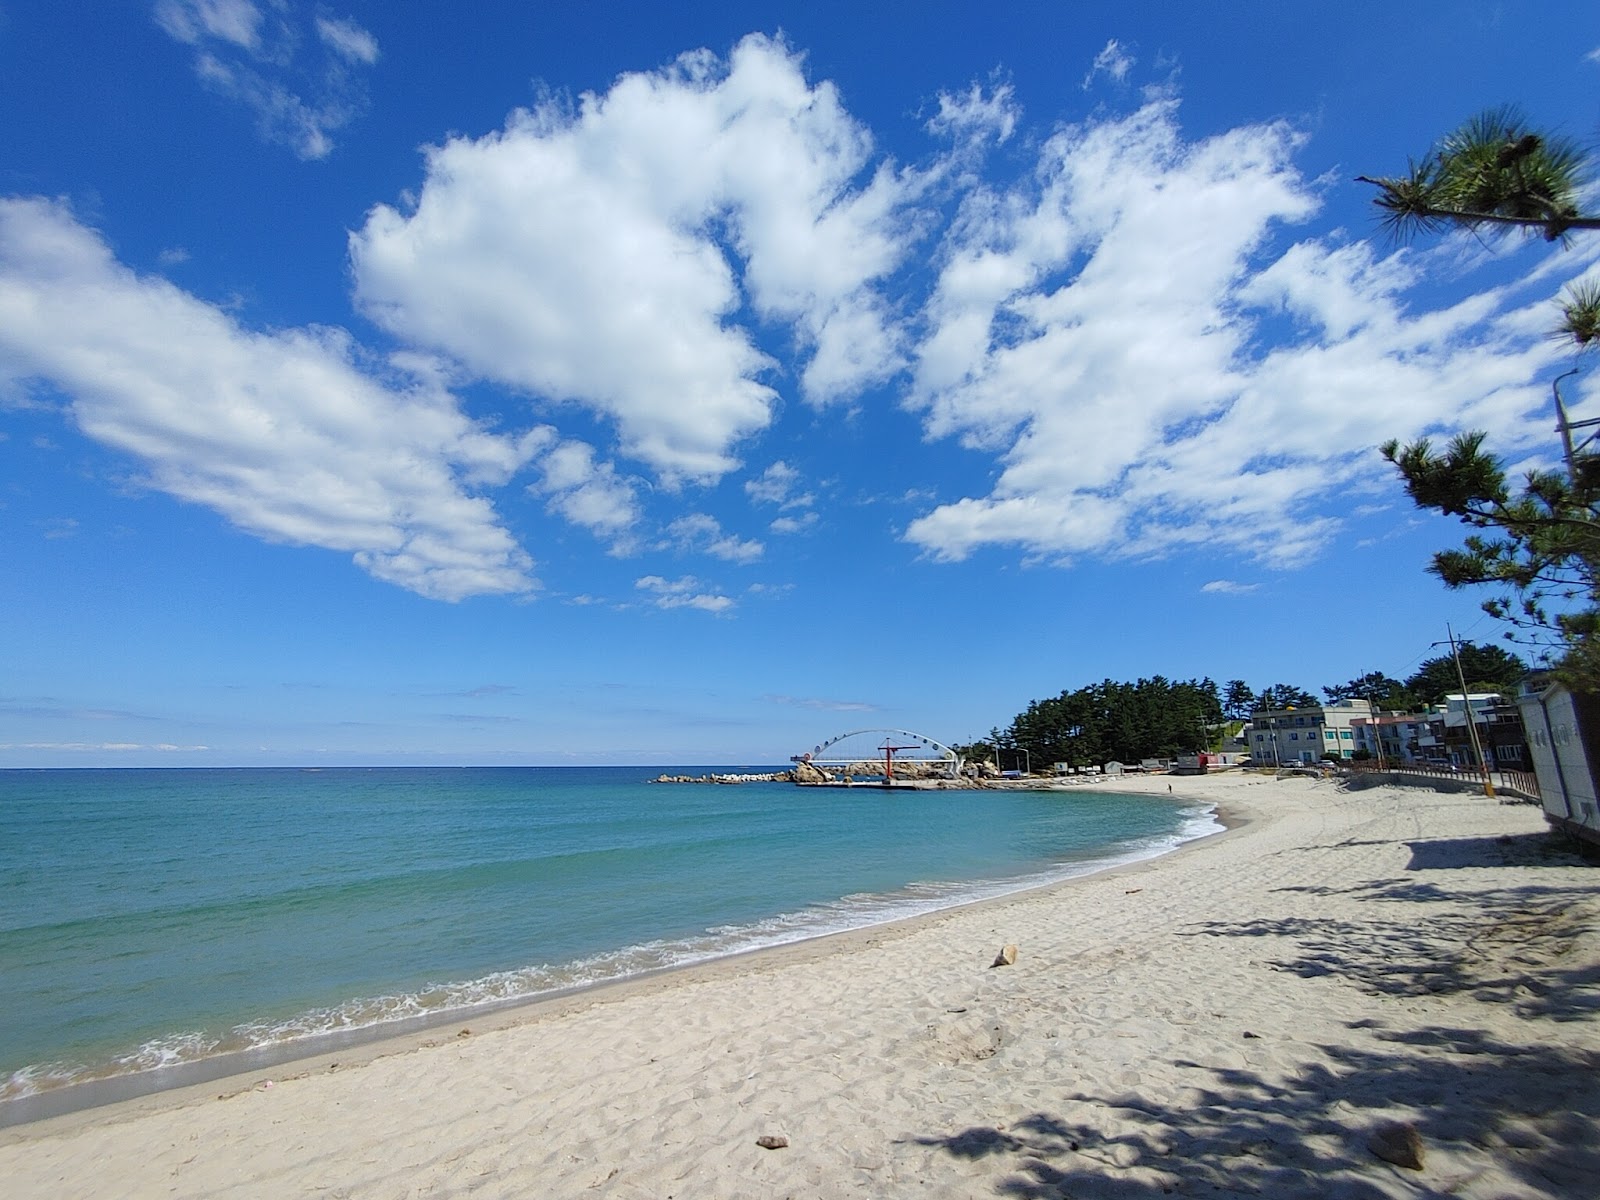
<point x="515" y="383"/>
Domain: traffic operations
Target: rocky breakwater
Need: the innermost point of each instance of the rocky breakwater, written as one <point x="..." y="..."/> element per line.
<point x="759" y="777"/>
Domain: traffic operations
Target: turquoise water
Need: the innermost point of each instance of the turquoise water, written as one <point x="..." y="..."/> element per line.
<point x="157" y="917"/>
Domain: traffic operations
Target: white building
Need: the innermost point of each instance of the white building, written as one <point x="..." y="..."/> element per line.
<point x="1308" y="734"/>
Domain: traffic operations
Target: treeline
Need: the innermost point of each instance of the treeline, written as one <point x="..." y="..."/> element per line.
<point x="1161" y="718"/>
<point x="1110" y="721"/>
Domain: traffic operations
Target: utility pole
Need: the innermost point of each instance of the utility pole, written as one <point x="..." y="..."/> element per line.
<point x="1565" y="427"/>
<point x="1472" y="726"/>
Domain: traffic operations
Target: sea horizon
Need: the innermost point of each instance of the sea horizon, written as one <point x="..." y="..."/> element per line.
<point x="158" y="928"/>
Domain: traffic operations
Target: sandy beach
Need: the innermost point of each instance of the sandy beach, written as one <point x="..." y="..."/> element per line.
<point x="1238" y="1018"/>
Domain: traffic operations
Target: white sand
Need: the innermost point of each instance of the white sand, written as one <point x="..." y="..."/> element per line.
<point x="1231" y="1020"/>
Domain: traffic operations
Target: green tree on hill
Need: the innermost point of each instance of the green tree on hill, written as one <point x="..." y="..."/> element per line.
<point x="1125" y="722"/>
<point x="1238" y="701"/>
<point x="1487" y="669"/>
<point x="1284" y="695"/>
<point x="1382" y="690"/>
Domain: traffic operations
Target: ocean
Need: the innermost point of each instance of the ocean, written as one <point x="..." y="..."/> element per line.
<point x="153" y="921"/>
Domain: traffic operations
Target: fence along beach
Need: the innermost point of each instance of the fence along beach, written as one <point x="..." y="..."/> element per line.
<point x="1345" y="975"/>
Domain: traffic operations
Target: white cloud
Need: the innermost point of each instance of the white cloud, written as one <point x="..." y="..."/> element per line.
<point x="191" y="21"/>
<point x="99" y="747"/>
<point x="348" y="39"/>
<point x="683" y="593"/>
<point x="787" y="525"/>
<point x="703" y="533"/>
<point x="822" y="705"/>
<point x="977" y="115"/>
<point x="1229" y="587"/>
<point x="778" y="485"/>
<point x="1101" y="331"/>
<point x="285" y="434"/>
<point x="576" y="254"/>
<point x="590" y="494"/>
<point x="299" y="98"/>
<point x="1113" y="61"/>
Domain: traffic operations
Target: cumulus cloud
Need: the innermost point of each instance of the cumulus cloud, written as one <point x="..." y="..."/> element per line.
<point x="586" y="492"/>
<point x="300" y="92"/>
<point x="603" y="255"/>
<point x="288" y="435"/>
<point x="1154" y="372"/>
<point x="779" y="484"/>
<point x="684" y="592"/>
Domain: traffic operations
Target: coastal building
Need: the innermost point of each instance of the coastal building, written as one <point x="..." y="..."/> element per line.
<point x="1564" y="747"/>
<point x="1441" y="737"/>
<point x="1306" y="734"/>
<point x="1496" y="722"/>
<point x="1395" y="738"/>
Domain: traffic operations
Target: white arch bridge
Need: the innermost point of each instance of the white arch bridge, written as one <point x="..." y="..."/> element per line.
<point x="883" y="752"/>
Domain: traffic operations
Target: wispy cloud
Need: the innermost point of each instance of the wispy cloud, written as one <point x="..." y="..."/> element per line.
<point x="104" y="747"/>
<point x="822" y="705"/>
<point x="685" y="592"/>
<point x="703" y="534"/>
<point x="301" y="90"/>
<point x="1229" y="587"/>
<point x="1114" y="62"/>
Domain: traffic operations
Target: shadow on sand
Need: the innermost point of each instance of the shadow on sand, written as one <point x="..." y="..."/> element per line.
<point x="1534" y="1105"/>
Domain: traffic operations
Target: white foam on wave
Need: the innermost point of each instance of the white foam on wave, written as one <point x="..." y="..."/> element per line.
<point x="859" y="910"/>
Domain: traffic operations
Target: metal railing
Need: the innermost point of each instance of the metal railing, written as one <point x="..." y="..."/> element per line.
<point x="1524" y="783"/>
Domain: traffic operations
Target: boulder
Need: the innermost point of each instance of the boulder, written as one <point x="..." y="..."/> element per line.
<point x="804" y="772"/>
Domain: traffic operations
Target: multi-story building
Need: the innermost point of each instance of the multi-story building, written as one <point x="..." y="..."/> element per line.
<point x="1397" y="738"/>
<point x="1441" y="736"/>
<point x="1307" y="734"/>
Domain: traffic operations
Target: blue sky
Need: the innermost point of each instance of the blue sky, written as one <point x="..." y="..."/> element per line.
<point x="511" y="383"/>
